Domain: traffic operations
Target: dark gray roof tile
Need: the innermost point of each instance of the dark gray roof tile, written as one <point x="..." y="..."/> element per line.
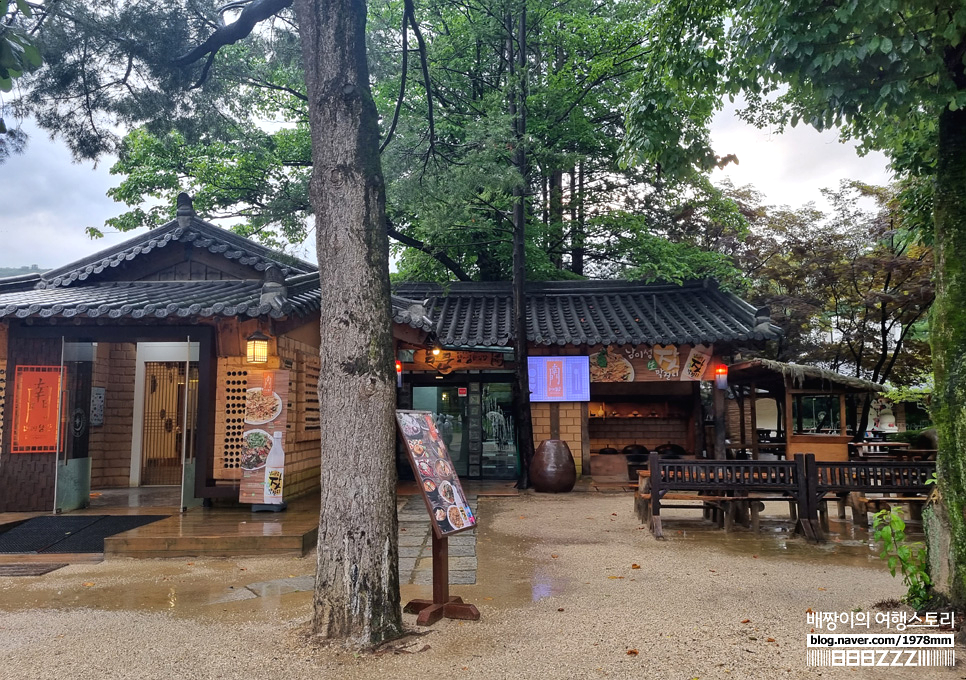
<point x="590" y="313"/>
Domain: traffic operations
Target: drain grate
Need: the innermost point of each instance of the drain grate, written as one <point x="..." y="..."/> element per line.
<point x="38" y="569"/>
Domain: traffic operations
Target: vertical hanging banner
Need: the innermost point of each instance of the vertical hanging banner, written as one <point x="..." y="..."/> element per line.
<point x="35" y="409"/>
<point x="262" y="455"/>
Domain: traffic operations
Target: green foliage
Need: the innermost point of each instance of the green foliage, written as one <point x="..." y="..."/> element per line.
<point x="908" y="557"/>
<point x="851" y="288"/>
<point x="18" y="52"/>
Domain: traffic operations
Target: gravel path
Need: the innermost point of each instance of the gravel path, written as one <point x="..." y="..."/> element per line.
<point x="557" y="587"/>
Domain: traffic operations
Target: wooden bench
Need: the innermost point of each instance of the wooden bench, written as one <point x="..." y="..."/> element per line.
<point x="726" y="487"/>
<point x="864" y="485"/>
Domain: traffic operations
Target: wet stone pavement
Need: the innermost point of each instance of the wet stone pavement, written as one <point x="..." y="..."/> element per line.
<point x="416" y="545"/>
<point x="415" y="556"/>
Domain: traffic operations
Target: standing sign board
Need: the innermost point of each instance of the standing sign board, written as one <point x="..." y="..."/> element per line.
<point x="444" y="497"/>
<point x="448" y="510"/>
<point x="266" y="413"/>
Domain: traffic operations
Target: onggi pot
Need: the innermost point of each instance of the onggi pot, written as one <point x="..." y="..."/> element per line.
<point x="552" y="469"/>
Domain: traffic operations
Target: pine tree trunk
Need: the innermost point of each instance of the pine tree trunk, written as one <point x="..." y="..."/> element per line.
<point x="357" y="582"/>
<point x="948" y="337"/>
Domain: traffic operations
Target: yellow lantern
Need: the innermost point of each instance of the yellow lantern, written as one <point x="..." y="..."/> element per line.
<point x="257" y="348"/>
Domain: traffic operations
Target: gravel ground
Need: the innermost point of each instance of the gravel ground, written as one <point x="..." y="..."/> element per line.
<point x="557" y="588"/>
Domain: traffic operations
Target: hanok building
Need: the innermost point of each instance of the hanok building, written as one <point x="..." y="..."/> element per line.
<point x="644" y="351"/>
<point x="170" y="359"/>
<point x="175" y="358"/>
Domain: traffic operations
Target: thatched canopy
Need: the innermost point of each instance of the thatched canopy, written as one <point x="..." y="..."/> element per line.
<point x="774" y="375"/>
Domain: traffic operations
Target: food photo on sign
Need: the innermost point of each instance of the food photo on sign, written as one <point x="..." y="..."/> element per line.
<point x="262" y="459"/>
<point x="439" y="484"/>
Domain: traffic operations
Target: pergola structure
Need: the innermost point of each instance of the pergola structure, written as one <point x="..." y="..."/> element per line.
<point x="790" y="385"/>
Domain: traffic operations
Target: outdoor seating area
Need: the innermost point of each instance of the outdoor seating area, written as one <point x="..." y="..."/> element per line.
<point x="730" y="492"/>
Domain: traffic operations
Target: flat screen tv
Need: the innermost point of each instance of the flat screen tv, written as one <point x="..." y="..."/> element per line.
<point x="559" y="378"/>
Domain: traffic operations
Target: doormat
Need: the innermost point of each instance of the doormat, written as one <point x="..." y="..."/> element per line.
<point x="69" y="534"/>
<point x="38" y="569"/>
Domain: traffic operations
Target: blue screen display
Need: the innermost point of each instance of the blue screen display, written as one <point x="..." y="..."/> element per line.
<point x="559" y="378"/>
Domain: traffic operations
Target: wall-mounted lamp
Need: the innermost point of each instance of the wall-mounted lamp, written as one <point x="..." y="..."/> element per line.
<point x="398" y="373"/>
<point x="257" y="346"/>
<point x="721" y="377"/>
<point x="436" y="350"/>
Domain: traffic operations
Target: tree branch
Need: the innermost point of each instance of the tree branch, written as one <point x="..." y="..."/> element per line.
<point x="402" y="81"/>
<point x="436" y="254"/>
<point x="255" y="12"/>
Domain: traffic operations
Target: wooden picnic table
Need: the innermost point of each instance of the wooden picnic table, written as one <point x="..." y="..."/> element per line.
<point x="890" y="451"/>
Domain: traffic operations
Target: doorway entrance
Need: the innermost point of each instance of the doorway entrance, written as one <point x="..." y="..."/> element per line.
<point x="475" y="421"/>
<point x="164" y="436"/>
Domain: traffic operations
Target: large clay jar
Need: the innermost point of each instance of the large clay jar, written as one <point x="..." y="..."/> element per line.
<point x="552" y="469"/>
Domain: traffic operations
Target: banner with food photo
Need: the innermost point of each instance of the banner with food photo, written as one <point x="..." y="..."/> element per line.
<point x="437" y="479"/>
<point x="647" y="363"/>
<point x="266" y="413"/>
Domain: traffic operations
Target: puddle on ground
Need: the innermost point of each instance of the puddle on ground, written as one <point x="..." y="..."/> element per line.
<point x="846" y="544"/>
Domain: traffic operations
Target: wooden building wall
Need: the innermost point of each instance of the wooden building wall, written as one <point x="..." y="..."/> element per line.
<point x="293" y="351"/>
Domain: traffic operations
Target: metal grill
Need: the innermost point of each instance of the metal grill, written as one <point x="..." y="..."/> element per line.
<point x="165" y="391"/>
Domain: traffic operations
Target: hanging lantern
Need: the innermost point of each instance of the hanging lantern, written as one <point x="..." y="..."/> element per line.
<point x="721" y="377"/>
<point x="257" y="348"/>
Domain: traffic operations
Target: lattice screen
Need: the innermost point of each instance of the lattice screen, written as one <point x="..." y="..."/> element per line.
<point x="230" y="401"/>
<point x="307" y="423"/>
<point x="3" y="393"/>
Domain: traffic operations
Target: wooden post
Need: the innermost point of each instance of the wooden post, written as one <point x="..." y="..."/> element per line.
<point x="697" y="422"/>
<point x="753" y="407"/>
<point x="718" y="406"/>
<point x="842" y="426"/>
<point x="742" y="434"/>
<point x="442" y="605"/>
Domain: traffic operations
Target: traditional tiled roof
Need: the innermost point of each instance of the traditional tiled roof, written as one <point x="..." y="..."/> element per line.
<point x="298" y="296"/>
<point x="186" y="228"/>
<point x="411" y="313"/>
<point x="152" y="299"/>
<point x="591" y="313"/>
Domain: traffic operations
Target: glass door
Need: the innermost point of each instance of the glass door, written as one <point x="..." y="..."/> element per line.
<point x="73" y="485"/>
<point x="499" y="455"/>
<point x="449" y="410"/>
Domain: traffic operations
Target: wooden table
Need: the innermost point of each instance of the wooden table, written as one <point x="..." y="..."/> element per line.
<point x="879" y="450"/>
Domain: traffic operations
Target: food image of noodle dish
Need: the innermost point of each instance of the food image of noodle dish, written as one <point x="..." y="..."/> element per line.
<point x="607" y="366"/>
<point x="255" y="448"/>
<point x="260" y="407"/>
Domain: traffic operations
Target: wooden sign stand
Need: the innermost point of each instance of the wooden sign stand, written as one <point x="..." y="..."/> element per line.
<point x="442" y="605"/>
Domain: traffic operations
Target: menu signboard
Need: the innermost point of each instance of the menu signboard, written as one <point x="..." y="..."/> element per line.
<point x="265" y="414"/>
<point x="35" y="409"/>
<point x="441" y="489"/>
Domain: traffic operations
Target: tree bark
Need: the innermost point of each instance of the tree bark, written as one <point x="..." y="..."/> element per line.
<point x="357" y="583"/>
<point x="521" y="389"/>
<point x="948" y="337"/>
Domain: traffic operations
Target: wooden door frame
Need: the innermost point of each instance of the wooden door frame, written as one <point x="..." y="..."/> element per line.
<point x="151" y="352"/>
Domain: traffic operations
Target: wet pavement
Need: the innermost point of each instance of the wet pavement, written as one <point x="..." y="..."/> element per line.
<point x="569" y="586"/>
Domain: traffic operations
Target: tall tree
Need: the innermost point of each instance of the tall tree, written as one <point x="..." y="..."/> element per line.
<point x="890" y="73"/>
<point x="357" y="581"/>
<point x="357" y="588"/>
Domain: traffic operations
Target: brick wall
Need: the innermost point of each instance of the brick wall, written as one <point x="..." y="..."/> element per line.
<point x="560" y="420"/>
<point x="110" y="443"/>
<point x="650" y="432"/>
<point x="303" y="453"/>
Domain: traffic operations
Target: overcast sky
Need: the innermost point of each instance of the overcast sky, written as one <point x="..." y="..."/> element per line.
<point x="50" y="200"/>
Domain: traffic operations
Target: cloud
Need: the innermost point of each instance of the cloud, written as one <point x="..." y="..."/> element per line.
<point x="50" y="200"/>
<point x="791" y="168"/>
